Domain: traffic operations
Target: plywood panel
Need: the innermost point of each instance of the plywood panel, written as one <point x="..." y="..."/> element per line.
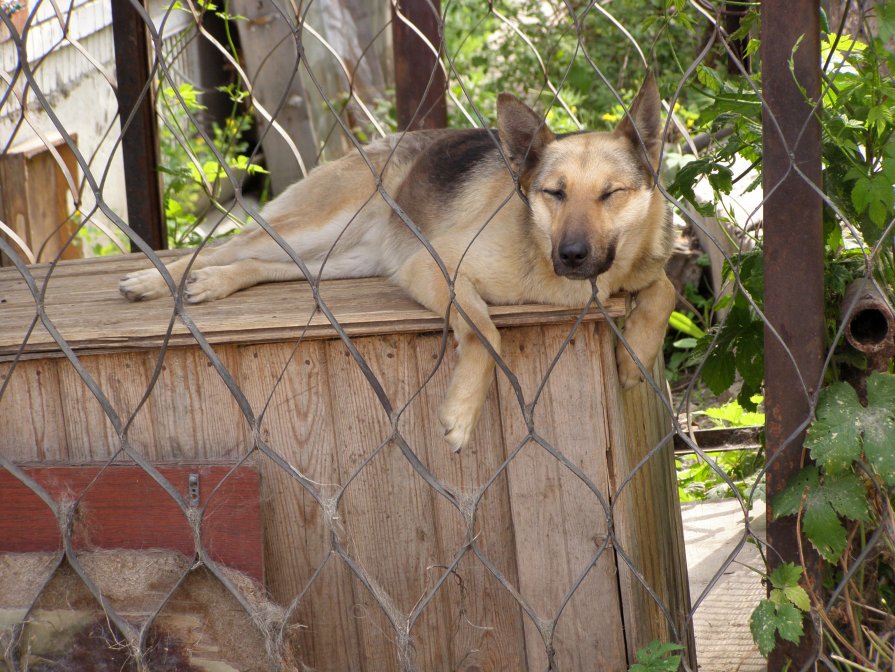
<point x="559" y="523"/>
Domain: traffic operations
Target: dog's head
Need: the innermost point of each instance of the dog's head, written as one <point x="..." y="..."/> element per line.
<point x="590" y="194"/>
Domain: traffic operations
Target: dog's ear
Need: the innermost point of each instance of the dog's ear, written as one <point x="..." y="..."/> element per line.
<point x="642" y="126"/>
<point x="523" y="135"/>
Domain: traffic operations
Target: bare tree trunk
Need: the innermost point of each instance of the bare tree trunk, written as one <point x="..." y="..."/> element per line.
<point x="345" y="47"/>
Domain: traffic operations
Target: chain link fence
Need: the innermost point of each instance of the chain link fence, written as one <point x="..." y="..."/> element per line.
<point x="261" y="482"/>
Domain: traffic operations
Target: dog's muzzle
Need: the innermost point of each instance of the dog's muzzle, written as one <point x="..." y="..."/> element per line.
<point x="576" y="258"/>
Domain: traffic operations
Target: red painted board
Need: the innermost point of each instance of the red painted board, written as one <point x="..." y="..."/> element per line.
<point x="126" y="509"/>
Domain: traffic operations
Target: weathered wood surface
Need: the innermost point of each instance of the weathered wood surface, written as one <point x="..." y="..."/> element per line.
<point x="425" y="561"/>
<point x="81" y="299"/>
<point x="34" y="192"/>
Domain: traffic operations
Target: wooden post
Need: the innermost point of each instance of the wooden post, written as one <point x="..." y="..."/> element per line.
<point x="139" y="142"/>
<point x="419" y="80"/>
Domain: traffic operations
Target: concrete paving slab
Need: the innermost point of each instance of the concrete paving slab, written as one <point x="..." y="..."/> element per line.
<point x="723" y="588"/>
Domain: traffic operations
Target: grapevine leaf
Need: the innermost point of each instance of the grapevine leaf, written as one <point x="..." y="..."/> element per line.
<point x="786" y="575"/>
<point x="763" y="625"/>
<point x="879" y="425"/>
<point x="833" y="438"/>
<point x="789" y="623"/>
<point x="787" y="502"/>
<point x="846" y="494"/>
<point x="798" y="596"/>
<point x="823" y="529"/>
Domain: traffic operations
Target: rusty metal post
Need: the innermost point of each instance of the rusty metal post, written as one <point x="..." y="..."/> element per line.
<point x="419" y="81"/>
<point x="139" y="142"/>
<point x="793" y="268"/>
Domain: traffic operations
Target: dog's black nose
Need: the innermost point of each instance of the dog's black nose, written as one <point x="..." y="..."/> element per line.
<point x="573" y="253"/>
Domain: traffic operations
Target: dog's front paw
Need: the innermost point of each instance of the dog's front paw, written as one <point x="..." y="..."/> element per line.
<point x="458" y="419"/>
<point x="205" y="284"/>
<point x="143" y="285"/>
<point x="629" y="373"/>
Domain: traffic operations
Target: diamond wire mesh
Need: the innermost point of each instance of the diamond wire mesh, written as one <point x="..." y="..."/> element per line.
<point x="353" y="112"/>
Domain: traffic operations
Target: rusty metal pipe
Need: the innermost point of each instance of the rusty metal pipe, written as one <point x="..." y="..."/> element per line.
<point x="870" y="327"/>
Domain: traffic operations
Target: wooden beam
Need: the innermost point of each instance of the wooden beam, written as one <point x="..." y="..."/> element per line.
<point x="419" y="80"/>
<point x="139" y="142"/>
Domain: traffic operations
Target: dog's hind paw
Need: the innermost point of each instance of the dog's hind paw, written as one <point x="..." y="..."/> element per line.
<point x="143" y="285"/>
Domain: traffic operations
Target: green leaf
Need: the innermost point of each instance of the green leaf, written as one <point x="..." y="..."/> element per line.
<point x="763" y="625"/>
<point x="685" y="325"/>
<point x="846" y="494"/>
<point x="719" y="371"/>
<point x="785" y="575"/>
<point x="789" y="623"/>
<point x="823" y="529"/>
<point x="787" y="503"/>
<point x="655" y="657"/>
<point x="833" y="437"/>
<point x="798" y="596"/>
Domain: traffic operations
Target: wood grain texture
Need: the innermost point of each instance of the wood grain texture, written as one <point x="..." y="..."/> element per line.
<point x="559" y="523"/>
<point x="124" y="508"/>
<point x="31" y="418"/>
<point x="535" y="521"/>
<point x="81" y="299"/>
<point x="34" y="200"/>
<point x="647" y="510"/>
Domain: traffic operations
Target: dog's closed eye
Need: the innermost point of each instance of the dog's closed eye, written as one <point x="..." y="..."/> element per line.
<point x="558" y="194"/>
<point x="606" y="195"/>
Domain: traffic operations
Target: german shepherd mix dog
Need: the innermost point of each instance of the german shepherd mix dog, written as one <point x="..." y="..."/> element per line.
<point x="575" y="210"/>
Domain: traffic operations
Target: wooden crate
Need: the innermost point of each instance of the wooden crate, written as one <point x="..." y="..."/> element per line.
<point x="34" y="193"/>
<point x="532" y="522"/>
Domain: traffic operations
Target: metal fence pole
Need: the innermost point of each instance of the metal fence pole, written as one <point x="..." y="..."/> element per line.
<point x="139" y="142"/>
<point x="793" y="266"/>
<point x="419" y="81"/>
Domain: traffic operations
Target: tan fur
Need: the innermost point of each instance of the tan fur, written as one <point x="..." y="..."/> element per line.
<point x="610" y="221"/>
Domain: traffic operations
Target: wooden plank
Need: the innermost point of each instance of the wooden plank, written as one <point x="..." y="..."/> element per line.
<point x="33" y="425"/>
<point x="484" y="621"/>
<point x="83" y="302"/>
<point x="647" y="510"/>
<point x="559" y="523"/>
<point x="386" y="511"/>
<point x="124" y="508"/>
<point x="34" y="198"/>
<point x="298" y="426"/>
<point x="191" y="412"/>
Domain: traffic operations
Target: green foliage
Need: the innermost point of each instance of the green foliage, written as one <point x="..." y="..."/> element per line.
<point x="657" y="657"/>
<point x="518" y="46"/>
<point x="844" y="434"/>
<point x="732" y="414"/>
<point x="781" y="613"/>
<point x="699" y="480"/>
<point x="193" y="176"/>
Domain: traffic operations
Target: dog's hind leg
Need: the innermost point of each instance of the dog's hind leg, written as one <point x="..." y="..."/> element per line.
<point x="424" y="281"/>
